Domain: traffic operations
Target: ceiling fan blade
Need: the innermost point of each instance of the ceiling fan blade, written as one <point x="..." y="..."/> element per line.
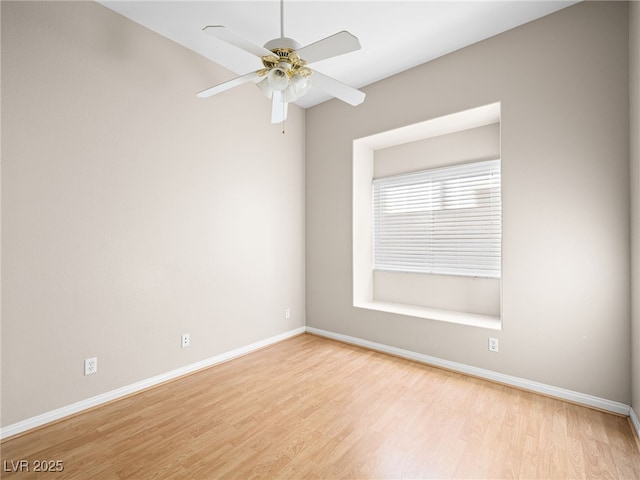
<point x="222" y="33"/>
<point x="337" y="44"/>
<point x="278" y="108"/>
<point x="221" y="87"/>
<point x="337" y="89"/>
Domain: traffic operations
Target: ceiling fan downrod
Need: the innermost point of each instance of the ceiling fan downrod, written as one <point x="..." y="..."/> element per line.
<point x="281" y="18"/>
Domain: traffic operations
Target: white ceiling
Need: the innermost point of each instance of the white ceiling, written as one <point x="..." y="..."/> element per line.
<point x="395" y="35"/>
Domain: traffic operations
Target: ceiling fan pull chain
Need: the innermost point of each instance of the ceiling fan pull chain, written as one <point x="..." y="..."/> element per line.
<point x="284" y="117"/>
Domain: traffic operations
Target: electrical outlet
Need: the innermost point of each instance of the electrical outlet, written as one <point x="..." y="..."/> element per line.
<point x="287" y="313"/>
<point x="186" y="340"/>
<point x="90" y="365"/>
<point x="493" y="344"/>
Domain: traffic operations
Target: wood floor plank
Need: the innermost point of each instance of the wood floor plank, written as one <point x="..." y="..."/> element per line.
<point x="314" y="408"/>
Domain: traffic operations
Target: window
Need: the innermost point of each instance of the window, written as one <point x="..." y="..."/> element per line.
<point x="439" y="221"/>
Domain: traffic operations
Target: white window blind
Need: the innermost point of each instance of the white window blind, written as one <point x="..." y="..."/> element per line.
<point x="441" y="221"/>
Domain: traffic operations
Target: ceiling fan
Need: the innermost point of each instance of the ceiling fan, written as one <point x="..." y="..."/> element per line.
<point x="285" y="76"/>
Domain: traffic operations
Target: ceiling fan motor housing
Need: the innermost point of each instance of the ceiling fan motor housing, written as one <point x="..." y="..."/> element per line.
<point x="282" y="43"/>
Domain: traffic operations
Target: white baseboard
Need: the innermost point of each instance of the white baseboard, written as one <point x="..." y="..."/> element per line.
<point x="77" y="407"/>
<point x="557" y="392"/>
<point x="634" y="422"/>
<point x="561" y="393"/>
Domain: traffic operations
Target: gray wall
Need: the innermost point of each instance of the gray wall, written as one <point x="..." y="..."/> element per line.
<point x="634" y="82"/>
<point x="132" y="211"/>
<point x="563" y="86"/>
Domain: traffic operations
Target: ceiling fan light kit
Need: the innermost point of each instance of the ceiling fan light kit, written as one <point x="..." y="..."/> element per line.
<point x="285" y="72"/>
<point x="285" y="77"/>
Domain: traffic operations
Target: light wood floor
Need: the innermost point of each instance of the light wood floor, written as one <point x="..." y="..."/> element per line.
<point x="314" y="408"/>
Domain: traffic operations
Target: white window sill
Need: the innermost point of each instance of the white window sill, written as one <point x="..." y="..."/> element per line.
<point x="461" y="318"/>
